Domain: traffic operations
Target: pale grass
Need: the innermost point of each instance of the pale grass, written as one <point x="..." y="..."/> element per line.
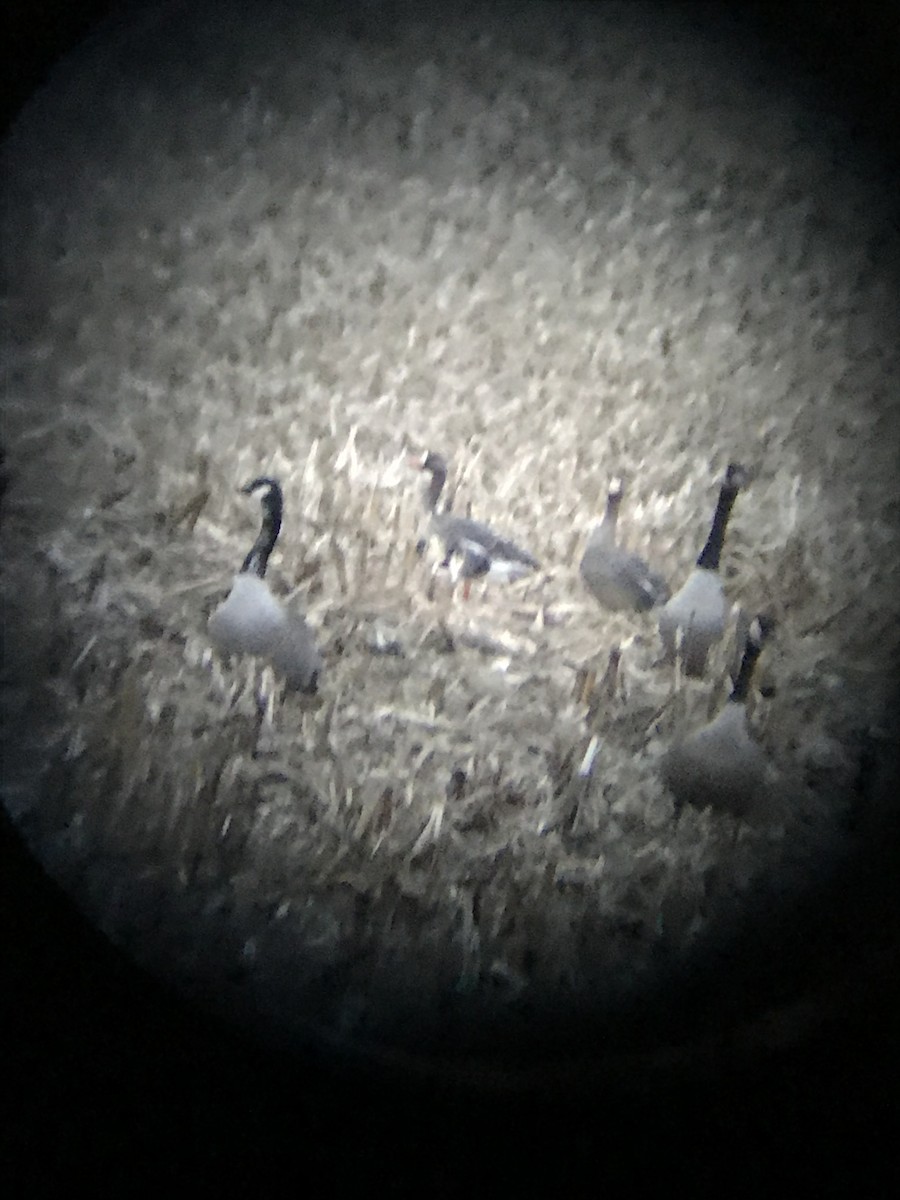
<point x="318" y="307"/>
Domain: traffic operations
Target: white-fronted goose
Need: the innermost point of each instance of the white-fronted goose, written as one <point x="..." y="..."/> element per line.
<point x="473" y="550"/>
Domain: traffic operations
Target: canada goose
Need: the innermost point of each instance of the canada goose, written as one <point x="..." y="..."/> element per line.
<point x="251" y="620"/>
<point x="698" y="609"/>
<point x="616" y="578"/>
<point x="476" y="550"/>
<point x="721" y="766"/>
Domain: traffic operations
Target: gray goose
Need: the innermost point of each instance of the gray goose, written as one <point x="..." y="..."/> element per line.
<point x="251" y="620"/>
<point x="698" y="609"/>
<point x="720" y="766"/>
<point x="616" y="578"/>
<point x="473" y="549"/>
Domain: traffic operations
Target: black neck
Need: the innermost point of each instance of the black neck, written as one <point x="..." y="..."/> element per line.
<point x="760" y="629"/>
<point x="438" y="471"/>
<point x="741" y="689"/>
<point x="711" y="552"/>
<point x="613" y="500"/>
<point x="272" y="508"/>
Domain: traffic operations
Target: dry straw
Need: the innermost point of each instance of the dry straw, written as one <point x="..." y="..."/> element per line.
<point x="570" y="275"/>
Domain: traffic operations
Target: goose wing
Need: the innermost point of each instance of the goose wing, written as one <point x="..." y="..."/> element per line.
<point x="621" y="580"/>
<point x="462" y="535"/>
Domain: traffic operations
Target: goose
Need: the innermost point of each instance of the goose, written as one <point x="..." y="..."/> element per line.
<point x="698" y="609"/>
<point x="616" y="578"/>
<point x="720" y="765"/>
<point x="472" y="550"/>
<point x="253" y="621"/>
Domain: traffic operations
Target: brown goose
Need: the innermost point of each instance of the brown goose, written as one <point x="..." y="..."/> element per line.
<point x="721" y="766"/>
<point x="473" y="550"/>
<point x="697" y="611"/>
<point x="251" y="620"/>
<point x="616" y="578"/>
